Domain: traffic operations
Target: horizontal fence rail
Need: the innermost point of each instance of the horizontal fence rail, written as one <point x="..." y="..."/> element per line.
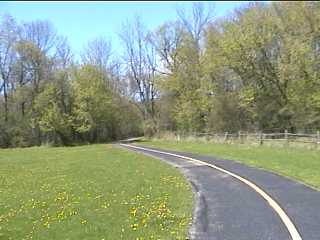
<point x="258" y="137"/>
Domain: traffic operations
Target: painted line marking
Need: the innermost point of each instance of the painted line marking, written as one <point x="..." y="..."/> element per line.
<point x="276" y="207"/>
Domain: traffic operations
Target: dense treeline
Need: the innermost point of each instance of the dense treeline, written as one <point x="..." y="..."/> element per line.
<point x="48" y="98"/>
<point x="258" y="69"/>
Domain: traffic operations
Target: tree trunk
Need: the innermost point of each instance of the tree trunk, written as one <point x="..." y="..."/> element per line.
<point x="6" y="110"/>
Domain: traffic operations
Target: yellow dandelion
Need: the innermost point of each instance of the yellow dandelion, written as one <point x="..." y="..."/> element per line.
<point x="83" y="221"/>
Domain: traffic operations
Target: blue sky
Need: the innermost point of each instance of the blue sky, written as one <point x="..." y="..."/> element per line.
<point x="83" y="21"/>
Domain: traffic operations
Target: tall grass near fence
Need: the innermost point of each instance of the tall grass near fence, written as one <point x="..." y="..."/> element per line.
<point x="275" y="139"/>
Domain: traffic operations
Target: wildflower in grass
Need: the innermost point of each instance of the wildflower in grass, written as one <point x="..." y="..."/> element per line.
<point x="144" y="222"/>
<point x="105" y="205"/>
<point x="73" y="212"/>
<point x="98" y="196"/>
<point x="134" y="211"/>
<point x="134" y="226"/>
<point x="46" y="224"/>
<point x="83" y="221"/>
<point x="136" y="208"/>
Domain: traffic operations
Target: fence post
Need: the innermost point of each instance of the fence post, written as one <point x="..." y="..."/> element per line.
<point x="261" y="138"/>
<point x="318" y="137"/>
<point x="239" y="136"/>
<point x="225" y="136"/>
<point x="207" y="137"/>
<point x="286" y="137"/>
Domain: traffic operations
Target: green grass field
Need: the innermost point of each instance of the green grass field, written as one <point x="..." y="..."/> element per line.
<point x="299" y="164"/>
<point x="90" y="192"/>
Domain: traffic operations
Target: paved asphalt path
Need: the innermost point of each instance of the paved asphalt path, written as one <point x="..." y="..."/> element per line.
<point x="227" y="209"/>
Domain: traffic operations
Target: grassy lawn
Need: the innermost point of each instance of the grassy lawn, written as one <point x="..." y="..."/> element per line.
<point x="300" y="164"/>
<point x="90" y="192"/>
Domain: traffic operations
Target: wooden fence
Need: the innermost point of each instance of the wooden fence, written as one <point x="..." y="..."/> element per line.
<point x="260" y="138"/>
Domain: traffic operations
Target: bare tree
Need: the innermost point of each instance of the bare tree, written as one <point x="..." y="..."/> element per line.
<point x="63" y="60"/>
<point x="35" y="63"/>
<point x="170" y="36"/>
<point x="196" y="23"/>
<point x="140" y="63"/>
<point x="34" y="49"/>
<point x="194" y="27"/>
<point x="41" y="33"/>
<point x="8" y="37"/>
<point x="166" y="40"/>
<point x="63" y="55"/>
<point x="97" y="52"/>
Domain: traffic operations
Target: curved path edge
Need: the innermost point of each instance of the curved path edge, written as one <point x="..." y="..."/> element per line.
<point x="292" y="229"/>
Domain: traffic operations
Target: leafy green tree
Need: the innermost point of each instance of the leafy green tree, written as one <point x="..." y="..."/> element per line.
<point x="270" y="50"/>
<point x="51" y="116"/>
<point x="93" y="109"/>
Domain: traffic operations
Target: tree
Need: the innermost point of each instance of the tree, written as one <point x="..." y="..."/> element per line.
<point x="52" y="118"/>
<point x="268" y="49"/>
<point x="93" y="107"/>
<point x="98" y="52"/>
<point x="8" y="37"/>
<point x="179" y="46"/>
<point x="41" y="33"/>
<point x="140" y="64"/>
<point x="257" y="69"/>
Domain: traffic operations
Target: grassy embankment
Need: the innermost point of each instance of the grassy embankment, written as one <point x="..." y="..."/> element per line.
<point x="90" y="192"/>
<point x="300" y="164"/>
